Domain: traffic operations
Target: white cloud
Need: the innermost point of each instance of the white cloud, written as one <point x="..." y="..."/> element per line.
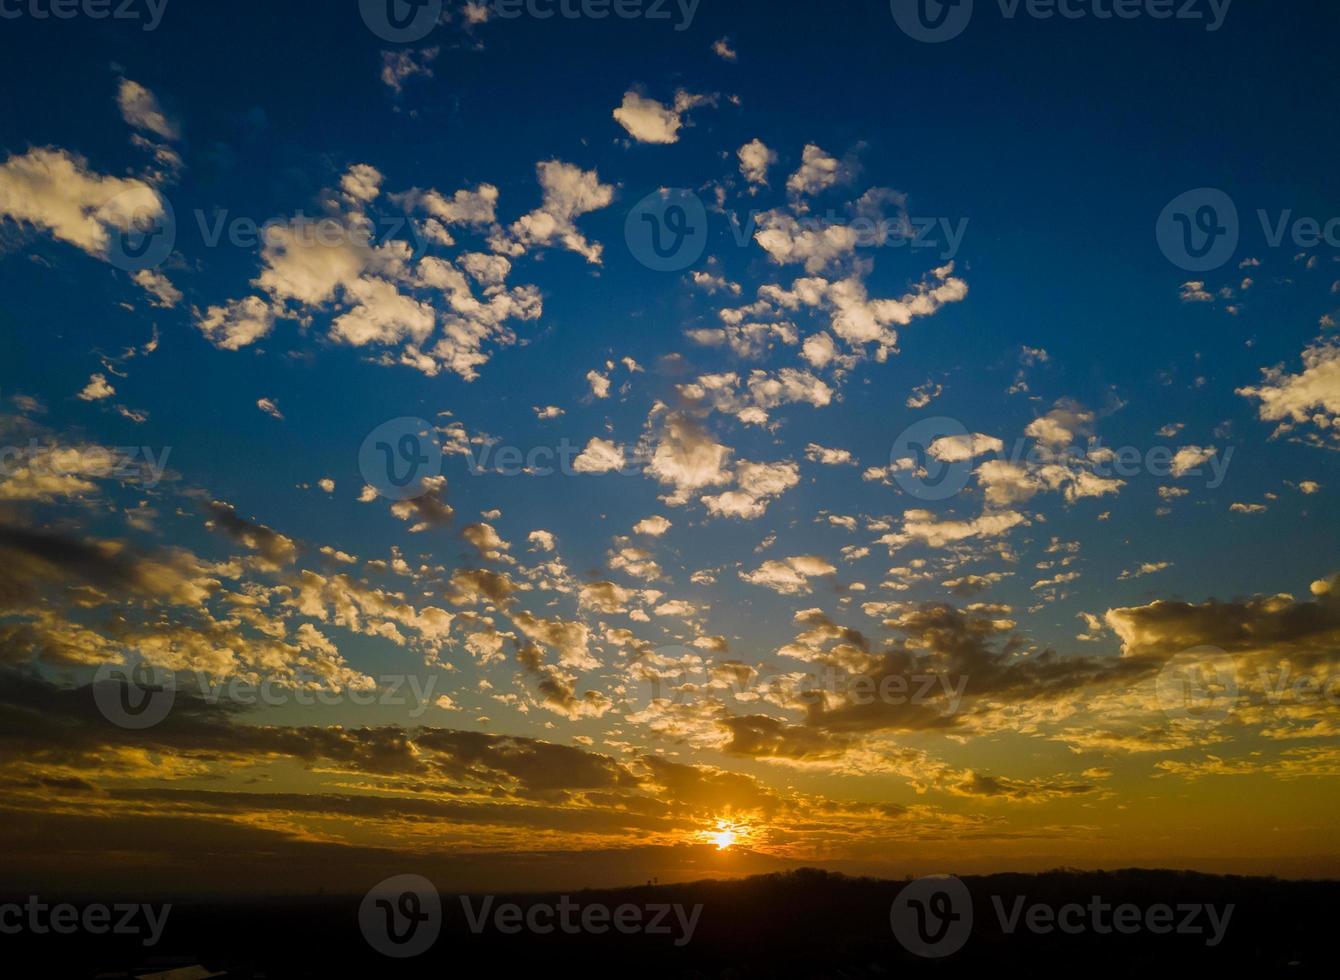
<point x="960" y="448"/>
<point x="237" y="324"/>
<point x="649" y="121"/>
<point x="921" y="525"/>
<point x="165" y="295"/>
<point x="722" y="49"/>
<point x="1310" y="397"/>
<point x="599" y="456"/>
<point x="600" y="384"/>
<point x="569" y="193"/>
<point x="816" y="453"/>
<point x="789" y="576"/>
<point x="1189" y="458"/>
<point x="755" y="159"/>
<point x="817" y="172"/>
<point x="55" y="191"/>
<point x="653" y="527"/>
<point x="397" y="66"/>
<point x="96" y="389"/>
<point x="140" y="109"/>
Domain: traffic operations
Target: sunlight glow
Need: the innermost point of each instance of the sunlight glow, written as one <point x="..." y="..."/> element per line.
<point x="723" y="838"/>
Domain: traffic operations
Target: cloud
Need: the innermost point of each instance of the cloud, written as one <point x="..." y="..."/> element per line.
<point x="398" y="66"/>
<point x="599" y="456"/>
<point x="236" y="324"/>
<point x="1309" y="397"/>
<point x="789" y="576"/>
<point x="273" y="549"/>
<point x="1062" y="425"/>
<point x="569" y="193"/>
<point x="961" y="448"/>
<point x="486" y="541"/>
<point x="269" y="407"/>
<point x="55" y="191"/>
<point x="140" y="109"/>
<point x="722" y="49"/>
<point x="816" y="453"/>
<point x="818" y="171"/>
<point x="653" y="527"/>
<point x="96" y="389"/>
<point x="649" y="121"/>
<point x="755" y="159"/>
<point x="156" y="284"/>
<point x="1273" y="625"/>
<point x="688" y="459"/>
<point x="1189" y="458"/>
<point x="759" y="484"/>
<point x="922" y="526"/>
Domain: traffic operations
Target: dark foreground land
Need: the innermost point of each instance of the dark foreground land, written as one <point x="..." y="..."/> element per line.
<point x="798" y="924"/>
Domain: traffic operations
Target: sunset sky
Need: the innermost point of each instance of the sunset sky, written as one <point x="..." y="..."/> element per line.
<point x="925" y="396"/>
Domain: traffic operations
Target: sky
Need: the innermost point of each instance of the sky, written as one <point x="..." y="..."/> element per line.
<point x="562" y="450"/>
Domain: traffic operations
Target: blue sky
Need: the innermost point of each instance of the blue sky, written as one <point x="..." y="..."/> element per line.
<point x="1056" y="324"/>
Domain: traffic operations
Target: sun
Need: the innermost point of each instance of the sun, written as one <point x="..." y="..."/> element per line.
<point x="723" y="838"/>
